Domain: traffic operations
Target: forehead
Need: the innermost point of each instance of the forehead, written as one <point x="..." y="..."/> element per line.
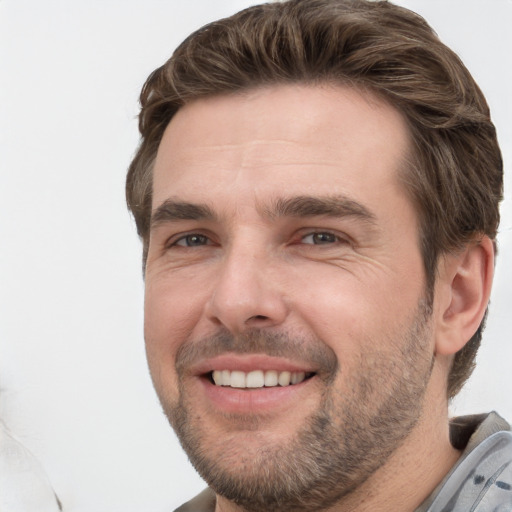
<point x="281" y="138"/>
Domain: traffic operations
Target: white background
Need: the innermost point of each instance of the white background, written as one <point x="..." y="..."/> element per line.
<point x="74" y="386"/>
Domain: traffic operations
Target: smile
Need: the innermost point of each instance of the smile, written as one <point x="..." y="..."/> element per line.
<point x="257" y="378"/>
<point x="252" y="384"/>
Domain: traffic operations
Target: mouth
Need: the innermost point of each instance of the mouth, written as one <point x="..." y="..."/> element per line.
<point x="256" y="379"/>
<point x="253" y="384"/>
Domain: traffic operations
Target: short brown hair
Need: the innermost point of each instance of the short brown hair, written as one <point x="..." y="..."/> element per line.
<point x="455" y="173"/>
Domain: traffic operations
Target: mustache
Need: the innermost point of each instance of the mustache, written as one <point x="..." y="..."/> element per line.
<point x="299" y="348"/>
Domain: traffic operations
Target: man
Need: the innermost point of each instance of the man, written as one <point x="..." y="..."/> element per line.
<point x="317" y="193"/>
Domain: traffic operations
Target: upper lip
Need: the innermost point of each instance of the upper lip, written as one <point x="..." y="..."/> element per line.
<point x="248" y="363"/>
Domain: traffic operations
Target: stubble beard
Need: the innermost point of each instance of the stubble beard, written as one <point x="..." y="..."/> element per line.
<point x="337" y="448"/>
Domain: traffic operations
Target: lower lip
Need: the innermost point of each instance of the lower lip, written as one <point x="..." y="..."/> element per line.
<point x="254" y="400"/>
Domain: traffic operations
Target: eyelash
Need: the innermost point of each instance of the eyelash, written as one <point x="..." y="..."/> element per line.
<point x="184" y="238"/>
<point x="187" y="242"/>
<point x="333" y="238"/>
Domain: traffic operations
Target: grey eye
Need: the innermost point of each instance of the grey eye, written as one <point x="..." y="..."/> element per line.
<point x="193" y="240"/>
<point x="320" y="238"/>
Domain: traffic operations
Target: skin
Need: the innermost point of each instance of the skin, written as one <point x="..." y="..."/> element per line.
<point x="235" y="282"/>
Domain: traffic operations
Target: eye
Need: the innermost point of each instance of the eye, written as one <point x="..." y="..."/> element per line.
<point x="320" y="238"/>
<point x="193" y="240"/>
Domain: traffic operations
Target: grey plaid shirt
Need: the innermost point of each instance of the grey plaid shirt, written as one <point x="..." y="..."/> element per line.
<point x="481" y="481"/>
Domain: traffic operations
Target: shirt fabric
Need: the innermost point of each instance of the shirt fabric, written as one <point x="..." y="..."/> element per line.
<point x="480" y="481"/>
<point x="24" y="486"/>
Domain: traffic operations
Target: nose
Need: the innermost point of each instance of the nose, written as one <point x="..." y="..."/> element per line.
<point x="246" y="293"/>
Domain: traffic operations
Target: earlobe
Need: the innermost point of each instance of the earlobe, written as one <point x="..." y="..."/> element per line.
<point x="463" y="290"/>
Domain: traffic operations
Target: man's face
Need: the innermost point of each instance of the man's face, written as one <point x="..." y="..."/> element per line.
<point x="286" y="329"/>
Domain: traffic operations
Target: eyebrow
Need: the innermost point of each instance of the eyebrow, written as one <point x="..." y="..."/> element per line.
<point x="298" y="206"/>
<point x="171" y="210"/>
<point x="329" y="206"/>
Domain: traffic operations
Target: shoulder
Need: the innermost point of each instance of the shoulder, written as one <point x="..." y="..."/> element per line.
<point x="23" y="482"/>
<point x="203" y="502"/>
<point x="481" y="481"/>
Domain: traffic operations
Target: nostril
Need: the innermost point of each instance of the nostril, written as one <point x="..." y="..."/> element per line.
<point x="258" y="317"/>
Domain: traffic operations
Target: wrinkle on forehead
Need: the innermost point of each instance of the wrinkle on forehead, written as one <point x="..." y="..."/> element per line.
<point x="298" y="116"/>
<point x="276" y="137"/>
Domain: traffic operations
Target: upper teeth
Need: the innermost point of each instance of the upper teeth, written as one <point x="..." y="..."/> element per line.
<point x="256" y="378"/>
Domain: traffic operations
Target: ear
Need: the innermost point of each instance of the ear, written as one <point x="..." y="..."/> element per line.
<point x="462" y="293"/>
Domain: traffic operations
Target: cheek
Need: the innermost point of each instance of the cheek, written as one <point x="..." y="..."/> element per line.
<point x="353" y="315"/>
<point x="171" y="313"/>
<point x="172" y="306"/>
